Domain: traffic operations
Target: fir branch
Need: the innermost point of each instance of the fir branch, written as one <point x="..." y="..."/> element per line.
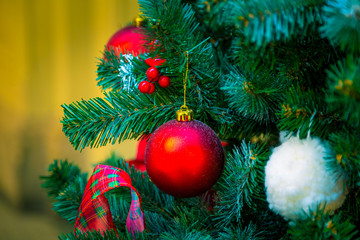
<point x="342" y="24"/>
<point x="119" y="71"/>
<point x="346" y="146"/>
<point x="241" y="183"/>
<point x="254" y="95"/>
<point x="319" y="225"/>
<point x="269" y="224"/>
<point x="176" y="30"/>
<point x="263" y="22"/>
<point x="61" y="174"/>
<point x="304" y="109"/>
<point x="118" y="117"/>
<point x="188" y="223"/>
<point x="173" y="25"/>
<point x="121" y="116"/>
<point x="344" y="89"/>
<point x="217" y="21"/>
<point x="68" y="201"/>
<point x="249" y="232"/>
<point x="119" y="208"/>
<point x="66" y="184"/>
<point x="156" y="224"/>
<point x="351" y="207"/>
<point x="185" y="234"/>
<point x="102" y="235"/>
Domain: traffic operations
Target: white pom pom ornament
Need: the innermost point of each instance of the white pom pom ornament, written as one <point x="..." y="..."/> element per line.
<point x="297" y="178"/>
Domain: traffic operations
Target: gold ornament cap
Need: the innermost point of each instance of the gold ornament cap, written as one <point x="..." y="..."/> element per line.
<point x="138" y="21"/>
<point x="184" y="114"/>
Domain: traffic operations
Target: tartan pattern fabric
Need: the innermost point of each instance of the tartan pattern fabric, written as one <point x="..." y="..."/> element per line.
<point x="94" y="212"/>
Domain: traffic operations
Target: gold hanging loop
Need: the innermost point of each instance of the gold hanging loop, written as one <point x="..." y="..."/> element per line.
<point x="184" y="114"/>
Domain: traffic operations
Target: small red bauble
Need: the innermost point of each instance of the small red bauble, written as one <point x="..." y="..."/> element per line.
<point x="138" y="162"/>
<point x="153" y="74"/>
<point x="152" y="88"/>
<point x="144" y="86"/>
<point x="129" y="39"/>
<point x="138" y="165"/>
<point x="184" y="159"/>
<point x="164" y="81"/>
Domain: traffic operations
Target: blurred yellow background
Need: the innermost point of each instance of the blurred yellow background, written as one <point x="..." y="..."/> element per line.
<point x="48" y="57"/>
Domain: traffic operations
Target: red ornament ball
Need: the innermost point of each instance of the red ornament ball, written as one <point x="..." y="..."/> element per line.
<point x="152" y="88"/>
<point x="153" y="74"/>
<point x="184" y="159"/>
<point x="164" y="81"/>
<point x="144" y="86"/>
<point x="129" y="39"/>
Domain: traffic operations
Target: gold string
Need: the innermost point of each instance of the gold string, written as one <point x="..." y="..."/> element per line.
<point x="185" y="78"/>
<point x="184" y="114"/>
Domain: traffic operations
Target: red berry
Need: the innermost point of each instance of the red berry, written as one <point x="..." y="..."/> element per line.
<point x="154" y="62"/>
<point x="144" y="86"/>
<point x="150" y="62"/>
<point x="152" y="74"/>
<point x="152" y="88"/>
<point x="159" y="62"/>
<point x="164" y="81"/>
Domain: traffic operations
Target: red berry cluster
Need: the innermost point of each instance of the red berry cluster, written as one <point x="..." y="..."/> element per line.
<point x="153" y="76"/>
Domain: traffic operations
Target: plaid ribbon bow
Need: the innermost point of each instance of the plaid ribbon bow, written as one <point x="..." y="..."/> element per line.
<point x="94" y="212"/>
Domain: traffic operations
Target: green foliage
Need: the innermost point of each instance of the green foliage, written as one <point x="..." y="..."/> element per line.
<point x="129" y="115"/>
<point x="174" y="27"/>
<point x="97" y="235"/>
<point x="255" y="68"/>
<point x="270" y="225"/>
<point x="263" y="22"/>
<point x="118" y="72"/>
<point x="68" y="201"/>
<point x="342" y="24"/>
<point x="120" y="116"/>
<point x="351" y="207"/>
<point x="304" y="110"/>
<point x="242" y="183"/>
<point x="247" y="233"/>
<point x="344" y="89"/>
<point x="345" y="146"/>
<point x="175" y="30"/>
<point x="216" y="18"/>
<point x="254" y="95"/>
<point x="187" y="225"/>
<point x="61" y="174"/>
<point x="66" y="184"/>
<point x="119" y="206"/>
<point x="319" y="225"/>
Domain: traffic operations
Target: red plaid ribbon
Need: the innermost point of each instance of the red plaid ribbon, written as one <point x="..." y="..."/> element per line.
<point x="94" y="212"/>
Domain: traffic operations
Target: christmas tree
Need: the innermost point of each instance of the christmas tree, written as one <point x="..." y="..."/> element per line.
<point x="277" y="81"/>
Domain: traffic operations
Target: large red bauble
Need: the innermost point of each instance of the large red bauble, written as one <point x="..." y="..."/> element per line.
<point x="184" y="159"/>
<point x="128" y="40"/>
